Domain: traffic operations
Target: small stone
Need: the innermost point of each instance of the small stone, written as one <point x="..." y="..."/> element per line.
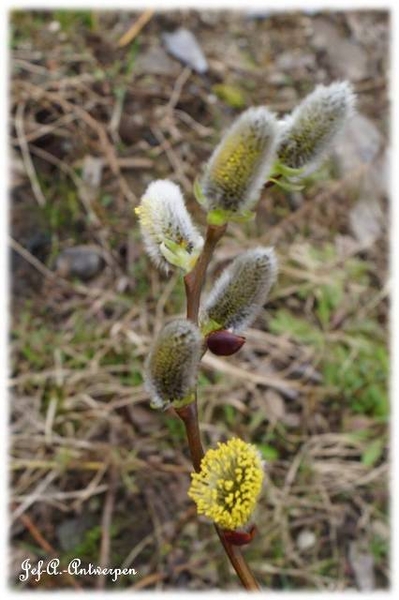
<point x="346" y="58"/>
<point x="325" y="33"/>
<point x="209" y="17"/>
<point x="381" y="529"/>
<point x="54" y="26"/>
<point x="123" y="285"/>
<point x="349" y="60"/>
<point x="277" y="78"/>
<point x="155" y="61"/>
<point x="70" y="533"/>
<point x="358" y="145"/>
<point x="82" y="262"/>
<point x="305" y="540"/>
<point x="18" y="171"/>
<point x="291" y="420"/>
<point x="290" y="61"/>
<point x="92" y="171"/>
<point x="362" y="563"/>
<point x="183" y="45"/>
<point x="366" y="221"/>
<point x="274" y="406"/>
<point x="365" y="169"/>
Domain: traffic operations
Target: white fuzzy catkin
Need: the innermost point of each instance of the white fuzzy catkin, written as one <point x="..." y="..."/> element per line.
<point x="163" y="215"/>
<point x="309" y="133"/>
<point x="240" y="164"/>
<point x="241" y="290"/>
<point x="172" y="366"/>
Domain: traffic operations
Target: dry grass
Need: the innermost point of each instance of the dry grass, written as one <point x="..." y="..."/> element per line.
<point x="95" y="472"/>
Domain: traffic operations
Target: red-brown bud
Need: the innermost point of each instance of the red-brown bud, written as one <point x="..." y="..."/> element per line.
<point x="224" y="343"/>
<point x="240" y="538"/>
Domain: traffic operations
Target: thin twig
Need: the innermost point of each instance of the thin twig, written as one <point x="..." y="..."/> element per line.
<point x="173" y="158"/>
<point x="36" y="534"/>
<point x="40" y="131"/>
<point x="106" y="523"/>
<point x="135" y="29"/>
<point x="44" y="544"/>
<point x="80" y="184"/>
<point x="94" y="125"/>
<point x="23" y="144"/>
<point x="50" y="275"/>
<point x="149" y="580"/>
<point x="289" y="388"/>
<point x="29" y="499"/>
<point x="32" y="260"/>
<point x="178" y="87"/>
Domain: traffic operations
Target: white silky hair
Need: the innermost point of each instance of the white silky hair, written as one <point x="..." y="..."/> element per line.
<point x="309" y="132"/>
<point x="172" y="365"/>
<point x="256" y="125"/>
<point x="166" y="216"/>
<point x="240" y="292"/>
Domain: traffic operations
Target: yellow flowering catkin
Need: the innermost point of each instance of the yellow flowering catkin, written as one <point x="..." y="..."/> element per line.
<point x="239" y="165"/>
<point x="227" y="487"/>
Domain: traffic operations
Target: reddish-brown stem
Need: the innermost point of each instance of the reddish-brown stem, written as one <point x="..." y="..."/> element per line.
<point x="239" y="563"/>
<point x="194" y="282"/>
<point x="189" y="416"/>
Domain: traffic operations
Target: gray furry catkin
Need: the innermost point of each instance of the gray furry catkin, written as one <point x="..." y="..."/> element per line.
<point x="241" y="290"/>
<point x="310" y="131"/>
<point x="172" y="366"/>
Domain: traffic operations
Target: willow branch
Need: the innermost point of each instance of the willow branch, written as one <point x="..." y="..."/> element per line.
<point x="194" y="282"/>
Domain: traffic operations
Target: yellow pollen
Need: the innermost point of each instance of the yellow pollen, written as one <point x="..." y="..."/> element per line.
<point x="229" y="483"/>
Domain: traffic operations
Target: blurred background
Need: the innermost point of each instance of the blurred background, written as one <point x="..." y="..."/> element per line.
<point x="101" y="104"/>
